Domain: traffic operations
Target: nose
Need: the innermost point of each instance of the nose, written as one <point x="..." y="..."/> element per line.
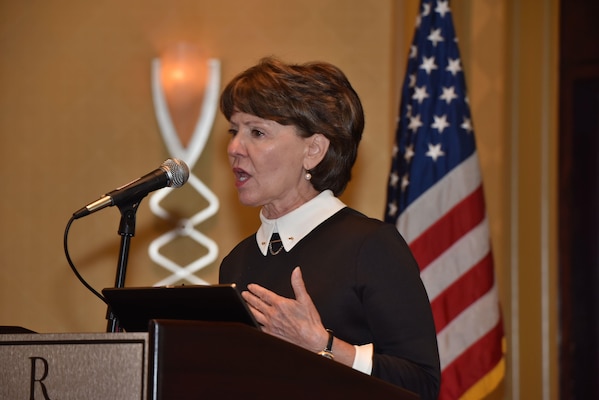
<point x="235" y="146"/>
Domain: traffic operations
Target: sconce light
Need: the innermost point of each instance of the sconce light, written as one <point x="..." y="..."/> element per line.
<point x="185" y="90"/>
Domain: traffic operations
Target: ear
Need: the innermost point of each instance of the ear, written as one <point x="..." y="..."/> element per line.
<point x="318" y="145"/>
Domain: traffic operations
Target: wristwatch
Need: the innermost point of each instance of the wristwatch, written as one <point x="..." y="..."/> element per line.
<point x="328" y="351"/>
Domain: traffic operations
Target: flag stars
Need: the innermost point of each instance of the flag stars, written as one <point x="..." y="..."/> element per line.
<point x="405" y="182"/>
<point x="392" y="209"/>
<point x="440" y="123"/>
<point x="435" y="36"/>
<point x="415" y="123"/>
<point x="426" y="9"/>
<point x="420" y="94"/>
<point x="428" y="64"/>
<point x="412" y="80"/>
<point x="448" y="94"/>
<point x="442" y="8"/>
<point x="467" y="125"/>
<point x="413" y="51"/>
<point x="393" y="179"/>
<point x="409" y="153"/>
<point x="454" y="66"/>
<point x="434" y="151"/>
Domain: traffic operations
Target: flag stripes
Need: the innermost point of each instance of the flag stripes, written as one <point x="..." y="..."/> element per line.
<point x="473" y="365"/>
<point x="454" y="300"/>
<point x="449" y="228"/>
<point x="468" y="327"/>
<point x="445" y="270"/>
<point x="440" y="198"/>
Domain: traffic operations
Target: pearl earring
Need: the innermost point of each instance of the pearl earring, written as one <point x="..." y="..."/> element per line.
<point x="308" y="176"/>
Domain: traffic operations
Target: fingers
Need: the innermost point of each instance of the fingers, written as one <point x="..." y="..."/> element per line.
<point x="257" y="292"/>
<point x="258" y="298"/>
<point x="266" y="307"/>
<point x="298" y="285"/>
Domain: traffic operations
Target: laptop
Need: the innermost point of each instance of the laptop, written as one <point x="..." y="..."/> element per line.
<point x="134" y="307"/>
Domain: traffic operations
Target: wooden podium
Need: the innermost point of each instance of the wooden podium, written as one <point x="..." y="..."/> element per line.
<point x="194" y="360"/>
<point x="177" y="360"/>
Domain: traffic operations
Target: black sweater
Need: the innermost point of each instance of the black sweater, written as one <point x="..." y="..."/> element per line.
<point x="366" y="286"/>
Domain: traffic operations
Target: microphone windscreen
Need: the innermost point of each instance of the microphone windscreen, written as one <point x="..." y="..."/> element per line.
<point x="177" y="171"/>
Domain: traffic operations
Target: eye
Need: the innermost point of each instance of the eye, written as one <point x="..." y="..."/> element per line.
<point x="232" y="132"/>
<point x="257" y="133"/>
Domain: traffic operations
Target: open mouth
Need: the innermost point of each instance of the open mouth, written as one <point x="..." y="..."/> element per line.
<point x="241" y="175"/>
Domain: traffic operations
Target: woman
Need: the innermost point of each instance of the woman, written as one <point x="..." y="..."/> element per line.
<point x="318" y="273"/>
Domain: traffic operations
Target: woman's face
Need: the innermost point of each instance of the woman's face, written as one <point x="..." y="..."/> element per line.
<point x="269" y="162"/>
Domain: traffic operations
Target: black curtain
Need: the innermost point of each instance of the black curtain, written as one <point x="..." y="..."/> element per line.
<point x="579" y="199"/>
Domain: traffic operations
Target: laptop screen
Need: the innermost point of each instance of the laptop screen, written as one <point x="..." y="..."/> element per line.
<point x="134" y="307"/>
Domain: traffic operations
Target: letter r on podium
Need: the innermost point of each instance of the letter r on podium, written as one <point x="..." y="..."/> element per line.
<point x="40" y="380"/>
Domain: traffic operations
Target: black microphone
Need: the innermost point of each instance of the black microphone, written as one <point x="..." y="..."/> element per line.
<point x="172" y="173"/>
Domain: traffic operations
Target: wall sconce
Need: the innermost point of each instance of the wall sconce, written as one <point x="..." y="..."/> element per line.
<point x="185" y="90"/>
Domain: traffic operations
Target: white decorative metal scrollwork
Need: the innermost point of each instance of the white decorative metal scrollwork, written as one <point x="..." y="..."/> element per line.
<point x="190" y="155"/>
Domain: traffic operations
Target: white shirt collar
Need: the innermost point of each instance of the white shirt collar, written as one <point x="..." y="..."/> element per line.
<point x="294" y="226"/>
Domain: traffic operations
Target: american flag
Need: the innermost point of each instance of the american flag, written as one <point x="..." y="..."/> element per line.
<point x="435" y="198"/>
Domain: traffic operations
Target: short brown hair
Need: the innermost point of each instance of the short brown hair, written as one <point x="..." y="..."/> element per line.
<point x="315" y="97"/>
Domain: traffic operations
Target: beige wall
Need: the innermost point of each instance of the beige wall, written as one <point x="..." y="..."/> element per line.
<point x="76" y="120"/>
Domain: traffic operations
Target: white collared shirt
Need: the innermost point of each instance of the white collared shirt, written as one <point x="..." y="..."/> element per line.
<point x="292" y="228"/>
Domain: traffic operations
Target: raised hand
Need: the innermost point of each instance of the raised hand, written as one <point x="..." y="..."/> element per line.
<point x="294" y="320"/>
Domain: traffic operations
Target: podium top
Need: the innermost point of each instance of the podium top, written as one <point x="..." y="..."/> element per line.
<point x="134" y="307"/>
